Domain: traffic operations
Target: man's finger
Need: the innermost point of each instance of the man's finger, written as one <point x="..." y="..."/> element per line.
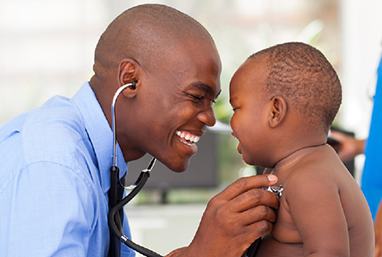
<point x="257" y="214"/>
<point x="244" y="184"/>
<point x="252" y="198"/>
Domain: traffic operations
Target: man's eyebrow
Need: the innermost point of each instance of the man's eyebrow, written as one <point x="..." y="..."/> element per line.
<point x="206" y="88"/>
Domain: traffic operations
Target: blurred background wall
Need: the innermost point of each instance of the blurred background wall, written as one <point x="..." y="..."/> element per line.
<point x="47" y="46"/>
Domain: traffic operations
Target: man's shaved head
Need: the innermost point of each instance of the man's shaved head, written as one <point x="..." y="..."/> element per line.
<point x="176" y="67"/>
<point x="145" y="33"/>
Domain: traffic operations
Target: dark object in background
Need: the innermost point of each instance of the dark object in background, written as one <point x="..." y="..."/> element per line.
<point x="337" y="146"/>
<point x="334" y="143"/>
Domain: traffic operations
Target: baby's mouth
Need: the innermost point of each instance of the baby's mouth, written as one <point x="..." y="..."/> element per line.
<point x="187" y="138"/>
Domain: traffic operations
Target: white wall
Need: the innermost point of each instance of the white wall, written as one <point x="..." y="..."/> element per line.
<point x="164" y="228"/>
<point x="46" y="48"/>
<point x="361" y="23"/>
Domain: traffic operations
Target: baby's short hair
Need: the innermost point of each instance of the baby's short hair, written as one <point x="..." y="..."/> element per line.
<point x="303" y="75"/>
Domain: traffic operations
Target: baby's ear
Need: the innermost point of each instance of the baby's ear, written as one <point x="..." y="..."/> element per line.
<point x="278" y="110"/>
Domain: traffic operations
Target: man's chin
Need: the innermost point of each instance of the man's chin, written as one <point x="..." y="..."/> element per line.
<point x="179" y="169"/>
<point x="179" y="166"/>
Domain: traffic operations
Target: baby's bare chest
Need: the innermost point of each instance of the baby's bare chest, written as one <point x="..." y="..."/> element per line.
<point x="284" y="229"/>
<point x="271" y="247"/>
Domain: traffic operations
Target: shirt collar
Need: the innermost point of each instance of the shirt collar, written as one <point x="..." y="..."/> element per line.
<point x="100" y="134"/>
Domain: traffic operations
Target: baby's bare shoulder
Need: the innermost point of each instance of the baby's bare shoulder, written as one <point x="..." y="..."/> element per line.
<point x="316" y="169"/>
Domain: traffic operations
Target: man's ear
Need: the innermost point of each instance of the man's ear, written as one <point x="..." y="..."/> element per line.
<point x="278" y="110"/>
<point x="128" y="74"/>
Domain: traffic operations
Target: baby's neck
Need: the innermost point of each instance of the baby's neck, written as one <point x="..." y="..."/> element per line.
<point x="285" y="163"/>
<point x="295" y="156"/>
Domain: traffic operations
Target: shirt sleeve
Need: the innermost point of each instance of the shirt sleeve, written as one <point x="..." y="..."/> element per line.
<point x="48" y="211"/>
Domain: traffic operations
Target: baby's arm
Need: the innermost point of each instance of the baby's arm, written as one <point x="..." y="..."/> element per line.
<point x="316" y="210"/>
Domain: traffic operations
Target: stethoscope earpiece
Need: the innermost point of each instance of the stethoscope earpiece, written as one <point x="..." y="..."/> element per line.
<point x="133" y="84"/>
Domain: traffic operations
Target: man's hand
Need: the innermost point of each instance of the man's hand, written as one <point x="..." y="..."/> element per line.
<point x="235" y="218"/>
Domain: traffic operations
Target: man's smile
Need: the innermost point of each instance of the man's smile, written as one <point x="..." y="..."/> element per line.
<point x="187" y="137"/>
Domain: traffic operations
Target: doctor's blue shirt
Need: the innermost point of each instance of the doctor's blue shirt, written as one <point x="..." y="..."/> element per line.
<point x="54" y="180"/>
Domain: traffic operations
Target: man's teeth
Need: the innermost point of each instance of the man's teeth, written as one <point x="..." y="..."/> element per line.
<point x="187" y="136"/>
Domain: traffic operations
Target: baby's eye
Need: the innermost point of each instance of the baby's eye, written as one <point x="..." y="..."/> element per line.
<point x="234" y="109"/>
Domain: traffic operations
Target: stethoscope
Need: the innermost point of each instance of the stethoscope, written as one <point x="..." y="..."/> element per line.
<point x="115" y="223"/>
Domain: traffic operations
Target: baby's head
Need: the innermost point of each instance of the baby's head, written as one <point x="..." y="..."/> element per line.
<point x="284" y="94"/>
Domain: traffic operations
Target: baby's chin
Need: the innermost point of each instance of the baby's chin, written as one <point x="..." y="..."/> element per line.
<point x="248" y="160"/>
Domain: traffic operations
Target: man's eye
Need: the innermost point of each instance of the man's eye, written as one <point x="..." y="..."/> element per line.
<point x="198" y="98"/>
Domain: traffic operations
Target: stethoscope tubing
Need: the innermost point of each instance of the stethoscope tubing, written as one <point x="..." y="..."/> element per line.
<point x="113" y="218"/>
<point x="114" y="211"/>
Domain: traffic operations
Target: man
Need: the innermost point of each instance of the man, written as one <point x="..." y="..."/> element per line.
<point x="55" y="178"/>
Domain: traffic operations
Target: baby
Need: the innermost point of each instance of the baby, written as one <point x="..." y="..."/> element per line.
<point x="284" y="100"/>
